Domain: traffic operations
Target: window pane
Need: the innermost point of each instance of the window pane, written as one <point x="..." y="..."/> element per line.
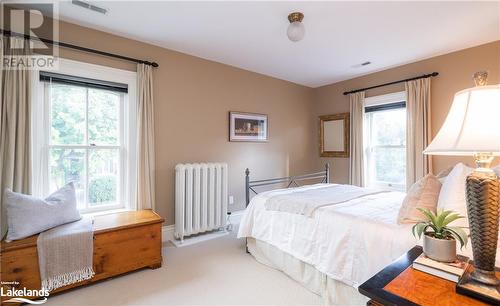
<point x="390" y="165"/>
<point x="68" y="165"/>
<point x="386" y="151"/>
<point x="68" y="104"/>
<point x="104" y="109"/>
<point x="389" y="127"/>
<point x="103" y="176"/>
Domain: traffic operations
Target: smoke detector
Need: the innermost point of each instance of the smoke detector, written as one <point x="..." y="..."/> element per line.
<point x="87" y="5"/>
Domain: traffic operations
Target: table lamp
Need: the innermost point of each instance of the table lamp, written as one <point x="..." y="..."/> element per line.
<point x="472" y="128"/>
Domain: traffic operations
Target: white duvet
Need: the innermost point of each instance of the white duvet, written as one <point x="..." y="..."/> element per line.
<point x="349" y="241"/>
<point x="305" y="200"/>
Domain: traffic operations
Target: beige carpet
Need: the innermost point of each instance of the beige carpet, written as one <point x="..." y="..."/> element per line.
<point x="213" y="272"/>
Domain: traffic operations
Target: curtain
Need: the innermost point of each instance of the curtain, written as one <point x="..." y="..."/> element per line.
<point x="418" y="102"/>
<point x="356" y="175"/>
<point x="15" y="121"/>
<point x="145" y="138"/>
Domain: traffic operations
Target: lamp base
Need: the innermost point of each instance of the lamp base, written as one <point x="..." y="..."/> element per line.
<point x="478" y="290"/>
<point x="483" y="195"/>
<point x="485" y="277"/>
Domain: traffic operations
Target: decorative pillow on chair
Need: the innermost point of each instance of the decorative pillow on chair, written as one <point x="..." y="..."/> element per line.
<point x="452" y="196"/>
<point x="423" y="194"/>
<point x="27" y="215"/>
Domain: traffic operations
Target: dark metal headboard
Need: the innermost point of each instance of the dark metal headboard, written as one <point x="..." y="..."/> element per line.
<point x="291" y="180"/>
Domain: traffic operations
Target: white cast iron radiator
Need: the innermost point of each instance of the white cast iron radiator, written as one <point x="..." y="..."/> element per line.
<point x="200" y="198"/>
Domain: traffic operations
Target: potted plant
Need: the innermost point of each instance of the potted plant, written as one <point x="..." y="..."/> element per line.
<point x="439" y="238"/>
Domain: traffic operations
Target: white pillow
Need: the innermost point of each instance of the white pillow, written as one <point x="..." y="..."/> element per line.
<point x="441" y="176"/>
<point x="27" y="215"/>
<point x="452" y="195"/>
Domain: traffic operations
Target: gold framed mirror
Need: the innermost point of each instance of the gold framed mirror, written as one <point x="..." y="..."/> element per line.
<point x="334" y="131"/>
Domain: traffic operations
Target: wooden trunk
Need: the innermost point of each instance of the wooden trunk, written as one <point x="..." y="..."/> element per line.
<point x="123" y="242"/>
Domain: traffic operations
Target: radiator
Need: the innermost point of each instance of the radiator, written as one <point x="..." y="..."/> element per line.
<point x="200" y="198"/>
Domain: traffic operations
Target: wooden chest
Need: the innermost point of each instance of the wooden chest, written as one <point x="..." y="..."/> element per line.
<point x="123" y="242"/>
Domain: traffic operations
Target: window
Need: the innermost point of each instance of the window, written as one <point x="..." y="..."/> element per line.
<point x="87" y="139"/>
<point x="385" y="142"/>
<point x="85" y="144"/>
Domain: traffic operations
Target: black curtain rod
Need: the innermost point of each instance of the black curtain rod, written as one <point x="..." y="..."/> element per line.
<point x="395" y="82"/>
<point x="80" y="48"/>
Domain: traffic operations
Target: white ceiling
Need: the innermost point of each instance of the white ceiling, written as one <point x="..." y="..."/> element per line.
<point x="339" y="35"/>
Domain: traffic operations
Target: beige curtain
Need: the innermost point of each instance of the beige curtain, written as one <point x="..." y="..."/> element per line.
<point x="418" y="102"/>
<point x="15" y="122"/>
<point x="145" y="138"/>
<point x="356" y="175"/>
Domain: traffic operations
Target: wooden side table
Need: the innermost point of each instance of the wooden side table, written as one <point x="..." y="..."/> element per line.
<point x="400" y="284"/>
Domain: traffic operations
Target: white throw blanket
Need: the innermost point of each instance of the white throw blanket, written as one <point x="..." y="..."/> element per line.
<point x="305" y="201"/>
<point x="65" y="254"/>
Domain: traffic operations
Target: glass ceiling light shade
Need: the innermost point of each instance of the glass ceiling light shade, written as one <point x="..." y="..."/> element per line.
<point x="296" y="29"/>
<point x="472" y="125"/>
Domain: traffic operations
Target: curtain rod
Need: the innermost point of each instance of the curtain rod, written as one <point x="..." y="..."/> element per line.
<point x="80" y="48"/>
<point x="395" y="82"/>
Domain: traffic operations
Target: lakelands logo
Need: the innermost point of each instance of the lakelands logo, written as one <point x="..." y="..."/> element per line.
<point x="36" y="20"/>
<point x="23" y="295"/>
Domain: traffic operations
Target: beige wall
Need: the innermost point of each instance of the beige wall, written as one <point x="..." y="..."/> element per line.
<point x="192" y="99"/>
<point x="455" y="73"/>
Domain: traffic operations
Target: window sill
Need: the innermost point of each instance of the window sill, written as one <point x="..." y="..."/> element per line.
<point x="105" y="212"/>
<point x="387" y="188"/>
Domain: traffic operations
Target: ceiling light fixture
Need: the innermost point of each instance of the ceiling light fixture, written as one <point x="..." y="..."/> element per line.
<point x="296" y="29"/>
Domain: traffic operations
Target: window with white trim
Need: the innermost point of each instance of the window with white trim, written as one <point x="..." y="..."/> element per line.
<point x="385" y="142"/>
<point x="87" y="138"/>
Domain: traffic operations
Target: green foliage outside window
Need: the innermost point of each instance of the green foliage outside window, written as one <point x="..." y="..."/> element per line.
<point x="387" y="133"/>
<point x="102" y="189"/>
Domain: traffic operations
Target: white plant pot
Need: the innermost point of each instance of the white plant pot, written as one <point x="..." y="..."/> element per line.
<point x="440" y="249"/>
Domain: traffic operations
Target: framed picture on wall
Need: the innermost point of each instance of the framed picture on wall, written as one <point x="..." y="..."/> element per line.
<point x="334" y="135"/>
<point x="248" y="127"/>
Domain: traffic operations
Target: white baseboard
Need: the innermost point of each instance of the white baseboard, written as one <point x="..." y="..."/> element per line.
<point x="199" y="238"/>
<point x="167" y="231"/>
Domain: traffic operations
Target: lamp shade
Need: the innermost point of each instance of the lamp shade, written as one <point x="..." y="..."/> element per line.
<point x="472" y="125"/>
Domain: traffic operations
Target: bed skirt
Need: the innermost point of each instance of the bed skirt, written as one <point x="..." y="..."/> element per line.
<point x="332" y="291"/>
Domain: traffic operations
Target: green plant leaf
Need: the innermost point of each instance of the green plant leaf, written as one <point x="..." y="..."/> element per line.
<point x="419" y="228"/>
<point x="457" y="237"/>
<point x="429" y="214"/>
<point x="413" y="230"/>
<point x="437" y="222"/>
<point x="441" y="218"/>
<point x="459" y="234"/>
<point x="434" y="229"/>
<point x="451" y="218"/>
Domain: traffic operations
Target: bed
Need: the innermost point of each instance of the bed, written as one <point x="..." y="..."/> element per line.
<point x="332" y="248"/>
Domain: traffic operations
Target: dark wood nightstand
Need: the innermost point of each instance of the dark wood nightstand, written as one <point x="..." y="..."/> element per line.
<point x="400" y="284"/>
